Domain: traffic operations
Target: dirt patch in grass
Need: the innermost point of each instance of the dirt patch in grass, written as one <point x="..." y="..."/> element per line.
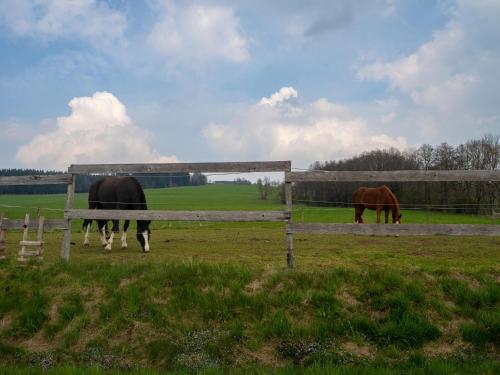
<point x="125" y="282"/>
<point x="5" y="322"/>
<point x="54" y="311"/>
<point x="91" y="298"/>
<point x="444" y="347"/>
<point x="265" y="355"/>
<point x="256" y="285"/>
<point x="36" y="344"/>
<point x="450" y="341"/>
<point x="348" y="300"/>
<point x="358" y="350"/>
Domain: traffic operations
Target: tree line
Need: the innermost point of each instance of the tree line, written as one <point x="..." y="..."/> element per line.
<point x="83" y="182"/>
<point x="471" y="197"/>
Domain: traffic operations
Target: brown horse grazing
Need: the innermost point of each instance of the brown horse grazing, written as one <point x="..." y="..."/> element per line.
<point x="379" y="198"/>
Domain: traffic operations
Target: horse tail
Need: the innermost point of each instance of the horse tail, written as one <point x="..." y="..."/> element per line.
<point x="140" y="195"/>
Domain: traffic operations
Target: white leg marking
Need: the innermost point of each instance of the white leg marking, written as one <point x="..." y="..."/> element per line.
<point x="110" y="241"/>
<point x="103" y="236"/>
<point x="86" y="241"/>
<point x="124" y="240"/>
<point x="146" y="242"/>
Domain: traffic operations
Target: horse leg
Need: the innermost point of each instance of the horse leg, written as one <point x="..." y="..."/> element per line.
<point x="124" y="234"/>
<point x="379" y="211"/>
<point x="360" y="218"/>
<point x="386" y="216"/>
<point x="101" y="224"/>
<point x="86" y="227"/>
<point x="115" y="229"/>
<point x="145" y="235"/>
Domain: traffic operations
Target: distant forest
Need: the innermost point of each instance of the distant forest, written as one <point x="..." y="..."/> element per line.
<point x="471" y="197"/>
<point x="83" y="182"/>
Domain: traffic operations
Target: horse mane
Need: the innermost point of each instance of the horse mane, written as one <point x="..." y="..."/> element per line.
<point x="395" y="203"/>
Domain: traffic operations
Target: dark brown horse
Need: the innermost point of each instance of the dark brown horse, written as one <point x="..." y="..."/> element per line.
<point x="118" y="193"/>
<point x="378" y="199"/>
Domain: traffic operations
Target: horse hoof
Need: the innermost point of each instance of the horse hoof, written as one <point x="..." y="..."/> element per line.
<point x="124" y="247"/>
<point x="86" y="244"/>
<point x="107" y="247"/>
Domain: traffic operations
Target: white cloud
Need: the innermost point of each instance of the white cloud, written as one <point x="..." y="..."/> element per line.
<point x="90" y="20"/>
<point x="198" y="32"/>
<point x="284" y="94"/>
<point x="320" y="130"/>
<point x="453" y="77"/>
<point x="98" y="130"/>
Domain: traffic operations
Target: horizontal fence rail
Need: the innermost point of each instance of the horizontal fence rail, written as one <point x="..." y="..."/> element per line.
<point x="397" y="229"/>
<point x="388" y="176"/>
<point x="33" y="224"/>
<point x="53" y="179"/>
<point x="177" y="215"/>
<point x="258" y="166"/>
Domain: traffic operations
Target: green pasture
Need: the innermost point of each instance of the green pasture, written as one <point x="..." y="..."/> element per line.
<point x="217" y="298"/>
<point x="227" y="197"/>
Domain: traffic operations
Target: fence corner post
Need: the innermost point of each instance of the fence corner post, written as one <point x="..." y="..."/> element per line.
<point x="66" y="243"/>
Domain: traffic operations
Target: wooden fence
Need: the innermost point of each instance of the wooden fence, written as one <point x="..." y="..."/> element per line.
<point x="400" y="176"/>
<point x="55" y="179"/>
<point x="281" y="216"/>
<point x="17" y="224"/>
<point x="227" y="167"/>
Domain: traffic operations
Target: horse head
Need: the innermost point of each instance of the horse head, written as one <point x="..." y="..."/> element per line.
<point x="143" y="234"/>
<point x="396" y="219"/>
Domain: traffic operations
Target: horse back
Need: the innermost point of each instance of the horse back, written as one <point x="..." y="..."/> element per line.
<point x="121" y="192"/>
<point x="357" y="196"/>
<point x="372" y="197"/>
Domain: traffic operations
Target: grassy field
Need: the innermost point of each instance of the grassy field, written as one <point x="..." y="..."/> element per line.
<point x="216" y="297"/>
<point x="225" y="197"/>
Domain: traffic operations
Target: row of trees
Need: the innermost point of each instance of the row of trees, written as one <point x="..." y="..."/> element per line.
<point x="483" y="153"/>
<point x="83" y="182"/>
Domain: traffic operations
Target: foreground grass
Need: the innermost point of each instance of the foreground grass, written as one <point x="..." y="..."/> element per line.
<point x="200" y="316"/>
<point x="414" y="366"/>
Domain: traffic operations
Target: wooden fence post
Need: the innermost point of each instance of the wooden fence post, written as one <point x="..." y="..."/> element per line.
<point x="66" y="243"/>
<point x="2" y="238"/>
<point x="22" y="253"/>
<point x="289" y="236"/>
<point x="39" y="236"/>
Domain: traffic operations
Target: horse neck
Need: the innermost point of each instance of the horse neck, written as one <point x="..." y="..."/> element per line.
<point x="394" y="205"/>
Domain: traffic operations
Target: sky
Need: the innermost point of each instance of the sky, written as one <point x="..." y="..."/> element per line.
<point x="121" y="81"/>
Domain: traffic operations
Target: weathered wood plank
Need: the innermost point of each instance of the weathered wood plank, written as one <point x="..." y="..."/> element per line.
<point x="227" y="167"/>
<point x="66" y="242"/>
<point x="496" y="215"/>
<point x="178" y="215"/>
<point x="397" y="229"/>
<point x="31" y="243"/>
<point x="53" y="179"/>
<point x="387" y="176"/>
<point x="49" y="224"/>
